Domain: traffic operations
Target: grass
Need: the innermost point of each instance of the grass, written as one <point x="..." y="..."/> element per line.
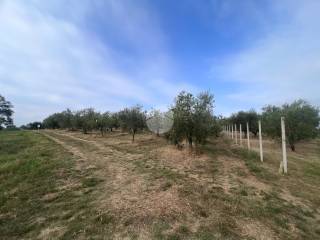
<point x="134" y="192"/>
<point x="41" y="195"/>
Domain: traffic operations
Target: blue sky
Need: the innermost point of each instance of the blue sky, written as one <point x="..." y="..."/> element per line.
<point x="107" y="54"/>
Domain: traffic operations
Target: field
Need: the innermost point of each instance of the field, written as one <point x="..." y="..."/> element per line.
<point x="69" y="185"/>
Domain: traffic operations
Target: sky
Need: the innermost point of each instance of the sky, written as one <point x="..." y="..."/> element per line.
<point x="109" y="54"/>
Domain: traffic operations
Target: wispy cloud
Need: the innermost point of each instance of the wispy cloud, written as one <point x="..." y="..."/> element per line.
<point x="57" y="54"/>
<point x="109" y="54"/>
<point x="282" y="65"/>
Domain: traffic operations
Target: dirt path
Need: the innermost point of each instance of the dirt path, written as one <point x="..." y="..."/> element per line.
<point x="125" y="193"/>
<point x="143" y="183"/>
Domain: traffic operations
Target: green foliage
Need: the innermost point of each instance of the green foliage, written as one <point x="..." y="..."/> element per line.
<point x="59" y="120"/>
<point x="243" y="118"/>
<point x="182" y="115"/>
<point x="132" y="119"/>
<point x="301" y="120"/>
<point x="193" y="118"/>
<point x="107" y="121"/>
<point x="5" y="112"/>
<point x="103" y="122"/>
<point x="203" y="119"/>
<point x="85" y="120"/>
<point x="33" y="126"/>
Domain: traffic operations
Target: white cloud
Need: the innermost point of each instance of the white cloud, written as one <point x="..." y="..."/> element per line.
<point x="50" y="59"/>
<point x="281" y="66"/>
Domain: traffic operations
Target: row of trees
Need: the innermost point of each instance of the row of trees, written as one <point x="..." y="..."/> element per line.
<point x="129" y="119"/>
<point x="32" y="126"/>
<point x="193" y="119"/>
<point x="243" y="117"/>
<point x="302" y="121"/>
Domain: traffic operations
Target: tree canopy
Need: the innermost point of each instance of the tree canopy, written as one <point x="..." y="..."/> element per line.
<point x="5" y="112"/>
<point x="301" y="120"/>
<point x="132" y="119"/>
<point x="193" y="118"/>
<point x="243" y="118"/>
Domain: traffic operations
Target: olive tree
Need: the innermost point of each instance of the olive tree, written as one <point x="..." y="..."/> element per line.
<point x="243" y="118"/>
<point x="86" y="120"/>
<point x="65" y="119"/>
<point x="132" y="119"/>
<point x="204" y="122"/>
<point x="59" y="120"/>
<point x="183" y="123"/>
<point x="5" y="112"/>
<point x="193" y="118"/>
<point x="301" y="118"/>
<point x="105" y="121"/>
<point x="51" y="121"/>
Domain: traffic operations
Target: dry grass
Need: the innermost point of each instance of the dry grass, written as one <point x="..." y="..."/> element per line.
<point x="256" y="230"/>
<point x="151" y="190"/>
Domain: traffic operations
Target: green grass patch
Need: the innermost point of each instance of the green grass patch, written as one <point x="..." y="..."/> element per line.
<point x="252" y="161"/>
<point x="35" y="196"/>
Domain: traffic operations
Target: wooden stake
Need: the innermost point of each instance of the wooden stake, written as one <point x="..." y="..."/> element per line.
<point x="260" y="141"/>
<point x="248" y="135"/>
<point x="235" y="133"/>
<point x="284" y="148"/>
<point x="232" y="131"/>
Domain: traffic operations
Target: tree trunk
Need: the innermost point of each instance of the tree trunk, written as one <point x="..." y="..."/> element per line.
<point x="190" y="141"/>
<point x="133" y="133"/>
<point x="293" y="148"/>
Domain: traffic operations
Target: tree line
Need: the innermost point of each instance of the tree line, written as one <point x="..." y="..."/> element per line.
<point x="301" y="121"/>
<point x="193" y="120"/>
<point x="129" y="119"/>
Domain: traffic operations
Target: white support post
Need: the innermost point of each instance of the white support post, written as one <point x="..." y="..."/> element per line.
<point x="240" y="135"/>
<point x="284" y="149"/>
<point x="248" y="136"/>
<point x="260" y="141"/>
<point x="235" y="132"/>
<point x="232" y="131"/>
